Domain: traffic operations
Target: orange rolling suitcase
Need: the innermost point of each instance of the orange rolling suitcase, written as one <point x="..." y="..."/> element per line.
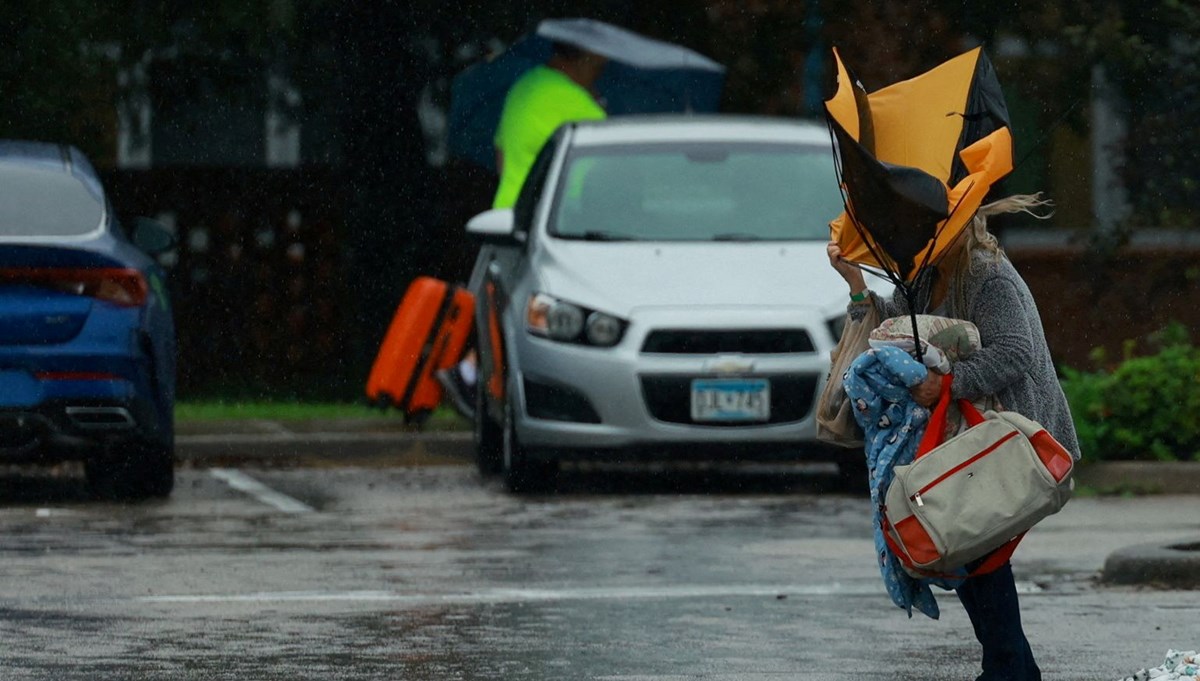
<point x="429" y="332"/>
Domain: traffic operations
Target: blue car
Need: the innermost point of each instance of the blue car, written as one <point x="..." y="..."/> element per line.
<point x="87" y="339"/>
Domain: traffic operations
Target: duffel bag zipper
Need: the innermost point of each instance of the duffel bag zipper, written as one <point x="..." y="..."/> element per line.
<point x="916" y="498"/>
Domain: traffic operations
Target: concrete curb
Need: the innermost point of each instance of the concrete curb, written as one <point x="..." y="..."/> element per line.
<point x="387" y="442"/>
<point x="1141" y="477"/>
<point x="1173" y="566"/>
<point x="283" y="449"/>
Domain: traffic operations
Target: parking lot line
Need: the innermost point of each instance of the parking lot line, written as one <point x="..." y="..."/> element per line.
<point x="244" y="483"/>
<point x="501" y="596"/>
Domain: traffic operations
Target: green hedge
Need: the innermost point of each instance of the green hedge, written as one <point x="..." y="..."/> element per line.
<point x="1143" y="408"/>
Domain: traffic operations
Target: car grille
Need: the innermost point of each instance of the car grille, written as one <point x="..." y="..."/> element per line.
<point x="747" y="341"/>
<point x="669" y="398"/>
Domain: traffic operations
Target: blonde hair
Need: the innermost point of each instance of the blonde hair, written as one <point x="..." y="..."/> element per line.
<point x="976" y="237"/>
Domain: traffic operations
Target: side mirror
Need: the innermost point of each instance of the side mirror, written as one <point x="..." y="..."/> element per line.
<point x="150" y="236"/>
<point x="494" y="226"/>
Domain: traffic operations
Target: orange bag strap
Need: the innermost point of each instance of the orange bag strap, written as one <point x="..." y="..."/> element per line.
<point x="996" y="559"/>
<point x="936" y="426"/>
<point x="970" y="413"/>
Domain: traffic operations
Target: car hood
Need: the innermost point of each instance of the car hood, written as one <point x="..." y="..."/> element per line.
<point x="621" y="277"/>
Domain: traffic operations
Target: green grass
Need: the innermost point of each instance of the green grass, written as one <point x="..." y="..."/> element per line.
<point x="221" y="410"/>
<point x="232" y="410"/>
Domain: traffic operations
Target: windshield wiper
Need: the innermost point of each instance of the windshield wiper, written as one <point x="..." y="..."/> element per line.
<point x="735" y="236"/>
<point x="598" y="236"/>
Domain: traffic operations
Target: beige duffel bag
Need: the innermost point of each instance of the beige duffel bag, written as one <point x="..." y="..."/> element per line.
<point x="976" y="494"/>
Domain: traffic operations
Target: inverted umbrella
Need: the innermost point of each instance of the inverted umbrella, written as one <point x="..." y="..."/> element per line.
<point x="643" y="76"/>
<point x="916" y="160"/>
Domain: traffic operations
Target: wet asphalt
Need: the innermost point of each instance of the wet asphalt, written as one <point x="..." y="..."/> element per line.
<point x="432" y="573"/>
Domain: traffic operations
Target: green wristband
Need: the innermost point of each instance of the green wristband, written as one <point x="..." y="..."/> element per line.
<point x="859" y="297"/>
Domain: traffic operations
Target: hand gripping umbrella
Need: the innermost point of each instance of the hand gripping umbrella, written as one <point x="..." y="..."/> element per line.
<point x="915" y="161"/>
<point x="642" y="76"/>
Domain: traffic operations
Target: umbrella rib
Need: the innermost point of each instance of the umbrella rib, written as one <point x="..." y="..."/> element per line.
<point x="942" y="228"/>
<point x="881" y="273"/>
<point x="892" y="274"/>
<point x="880" y="255"/>
<point x="929" y="251"/>
<point x="894" y="277"/>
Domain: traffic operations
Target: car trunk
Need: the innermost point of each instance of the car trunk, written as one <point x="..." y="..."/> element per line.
<point x="47" y="293"/>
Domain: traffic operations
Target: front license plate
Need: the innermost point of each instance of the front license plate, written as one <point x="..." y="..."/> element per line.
<point x="731" y="399"/>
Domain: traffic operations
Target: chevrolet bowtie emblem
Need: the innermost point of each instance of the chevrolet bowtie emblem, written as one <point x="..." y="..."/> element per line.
<point x="729" y="365"/>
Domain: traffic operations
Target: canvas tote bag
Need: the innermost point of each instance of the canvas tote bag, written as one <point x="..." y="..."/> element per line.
<point x="835" y="415"/>
<point x="976" y="493"/>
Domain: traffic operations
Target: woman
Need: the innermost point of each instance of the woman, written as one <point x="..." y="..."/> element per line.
<point x="975" y="281"/>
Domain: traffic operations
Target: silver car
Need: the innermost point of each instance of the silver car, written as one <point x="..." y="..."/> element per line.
<point x="660" y="290"/>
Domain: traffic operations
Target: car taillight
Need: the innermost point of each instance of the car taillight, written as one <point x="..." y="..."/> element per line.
<point x="76" y="376"/>
<point x="120" y="286"/>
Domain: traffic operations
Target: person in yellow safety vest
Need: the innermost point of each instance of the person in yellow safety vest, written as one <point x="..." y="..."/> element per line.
<point x="539" y="102"/>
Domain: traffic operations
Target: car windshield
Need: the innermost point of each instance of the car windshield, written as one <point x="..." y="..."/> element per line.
<point x="702" y="191"/>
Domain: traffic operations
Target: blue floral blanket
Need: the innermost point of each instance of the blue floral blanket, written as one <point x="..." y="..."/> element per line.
<point x="878" y="384"/>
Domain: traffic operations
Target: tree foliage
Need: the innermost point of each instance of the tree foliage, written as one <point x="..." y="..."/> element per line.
<point x="50" y="88"/>
<point x="1151" y="50"/>
<point x="60" y="75"/>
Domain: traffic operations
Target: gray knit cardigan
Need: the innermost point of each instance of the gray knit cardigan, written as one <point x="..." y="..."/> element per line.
<point x="1014" y="362"/>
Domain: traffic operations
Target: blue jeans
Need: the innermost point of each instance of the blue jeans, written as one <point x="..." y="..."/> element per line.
<point x="991" y="603"/>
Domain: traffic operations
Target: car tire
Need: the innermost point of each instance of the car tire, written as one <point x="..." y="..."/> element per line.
<point x="523" y="475"/>
<point x="489" y="438"/>
<point x="132" y="472"/>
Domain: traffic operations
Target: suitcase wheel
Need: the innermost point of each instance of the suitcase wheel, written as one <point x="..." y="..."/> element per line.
<point x="417" y="418"/>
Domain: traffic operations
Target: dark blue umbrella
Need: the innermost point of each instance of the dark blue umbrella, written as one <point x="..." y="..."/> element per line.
<point x="643" y="76"/>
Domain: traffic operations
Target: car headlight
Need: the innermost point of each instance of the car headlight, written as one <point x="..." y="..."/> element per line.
<point x="559" y="320"/>
<point x="603" y="329"/>
<point x="564" y="321"/>
<point x="547" y="316"/>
